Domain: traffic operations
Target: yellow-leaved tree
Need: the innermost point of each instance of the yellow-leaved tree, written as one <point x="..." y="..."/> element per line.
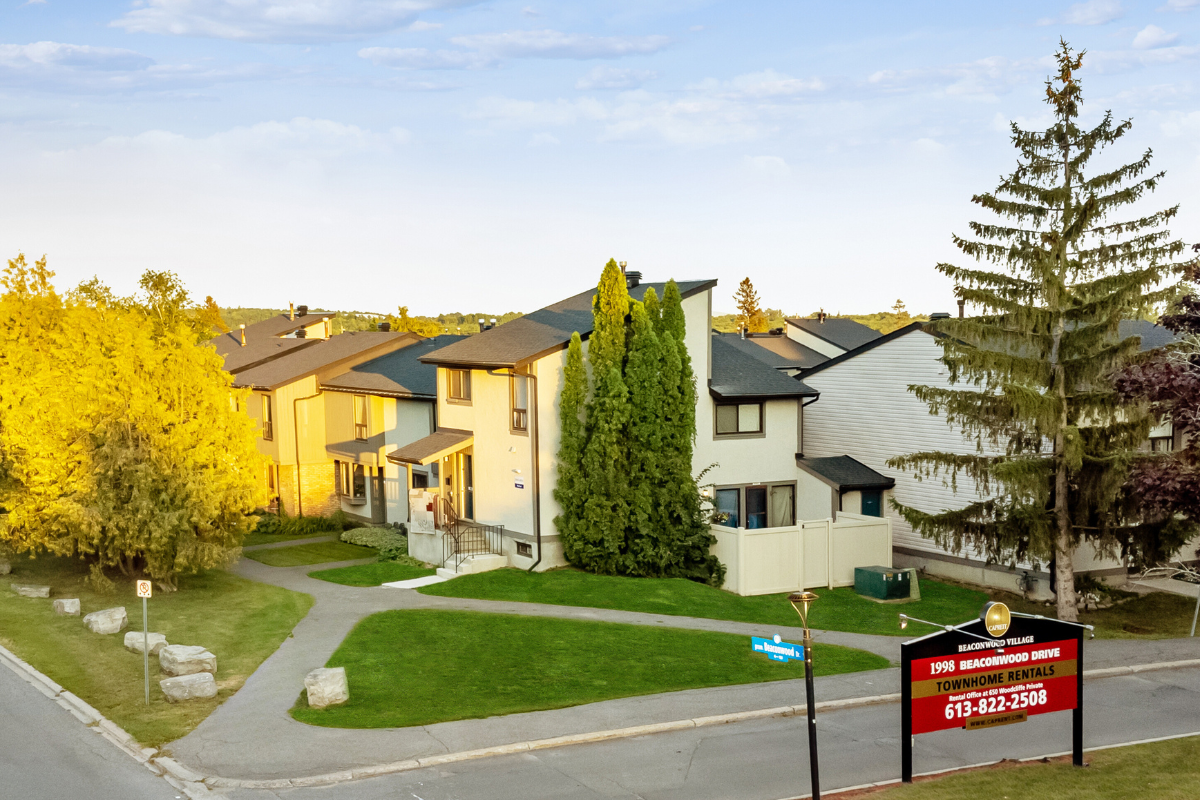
<point x="120" y="437"/>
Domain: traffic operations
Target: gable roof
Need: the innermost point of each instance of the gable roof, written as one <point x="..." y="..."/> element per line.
<point x="845" y="473"/>
<point x="324" y="354"/>
<point x="257" y="351"/>
<point x="541" y="332"/>
<point x="844" y="333"/>
<point x="777" y="351"/>
<point x="738" y="375"/>
<point x="400" y="373"/>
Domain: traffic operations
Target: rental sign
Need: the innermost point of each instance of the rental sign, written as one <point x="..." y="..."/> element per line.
<point x="998" y="670"/>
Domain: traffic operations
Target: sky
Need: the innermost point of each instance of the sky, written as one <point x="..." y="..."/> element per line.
<point x="452" y="155"/>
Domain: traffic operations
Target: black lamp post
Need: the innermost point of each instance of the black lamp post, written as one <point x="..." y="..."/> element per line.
<point x="801" y="601"/>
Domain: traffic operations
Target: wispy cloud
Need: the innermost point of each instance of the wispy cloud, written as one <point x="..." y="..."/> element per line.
<point x="420" y="58"/>
<point x="1180" y="5"/>
<point x="557" y="44"/>
<point x="1152" y="37"/>
<point x="770" y="167"/>
<point x="278" y="20"/>
<point x="1093" y="12"/>
<point x="615" y="78"/>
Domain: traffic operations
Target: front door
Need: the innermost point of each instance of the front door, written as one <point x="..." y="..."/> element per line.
<point x="378" y="499"/>
<point x="468" y="484"/>
<point x="871" y="502"/>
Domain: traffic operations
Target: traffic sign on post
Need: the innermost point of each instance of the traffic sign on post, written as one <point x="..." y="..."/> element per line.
<point x="144" y="590"/>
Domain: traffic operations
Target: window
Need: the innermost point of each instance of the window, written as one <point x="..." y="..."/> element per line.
<point x="460" y="385"/>
<point x="268" y="422"/>
<point x="729" y="508"/>
<point x="739" y="419"/>
<point x="360" y="417"/>
<point x="272" y="471"/>
<point x="756" y="507"/>
<point x="518" y="393"/>
<point x="525" y="549"/>
<point x="420" y="480"/>
<point x="872" y="502"/>
<point x="351" y="481"/>
<point x="1162" y="444"/>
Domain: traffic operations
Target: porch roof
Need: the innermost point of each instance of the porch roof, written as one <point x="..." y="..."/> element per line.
<point x="844" y="473"/>
<point x="441" y="442"/>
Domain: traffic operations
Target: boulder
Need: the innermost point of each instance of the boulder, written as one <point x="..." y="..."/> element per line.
<point x="67" y="608"/>
<point x="186" y="659"/>
<point x="110" y="620"/>
<point x="5" y="566"/>
<point x="189" y="687"/>
<point x="26" y="590"/>
<point x="326" y="687"/>
<point x="134" y="641"/>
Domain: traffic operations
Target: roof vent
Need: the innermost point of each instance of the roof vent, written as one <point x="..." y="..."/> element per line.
<point x="301" y="311"/>
<point x="301" y="333"/>
<point x="776" y="331"/>
<point x="939" y="315"/>
<point x="632" y="279"/>
<point x="385" y="327"/>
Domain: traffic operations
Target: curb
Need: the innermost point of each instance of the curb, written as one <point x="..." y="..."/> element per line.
<point x="179" y="777"/>
<point x="198" y="787"/>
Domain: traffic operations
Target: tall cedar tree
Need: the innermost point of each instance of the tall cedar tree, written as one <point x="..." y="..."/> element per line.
<point x="569" y="489"/>
<point x="750" y="316"/>
<point x="647" y="552"/>
<point x="1168" y="483"/>
<point x="600" y="536"/>
<point x="1038" y="361"/>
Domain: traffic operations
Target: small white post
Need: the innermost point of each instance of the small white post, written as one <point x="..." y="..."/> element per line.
<point x="146" y="648"/>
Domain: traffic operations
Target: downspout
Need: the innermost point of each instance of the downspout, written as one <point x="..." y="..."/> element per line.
<point x="296" y="442"/>
<point x="537" y="471"/>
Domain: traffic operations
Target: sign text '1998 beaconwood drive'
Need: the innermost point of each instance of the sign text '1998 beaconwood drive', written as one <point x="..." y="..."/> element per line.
<point x="947" y="691"/>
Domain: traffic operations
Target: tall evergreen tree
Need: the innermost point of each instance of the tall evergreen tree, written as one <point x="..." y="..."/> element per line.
<point x="600" y="539"/>
<point x="570" y="487"/>
<point x="610" y="308"/>
<point x="1053" y="438"/>
<point x="750" y="316"/>
<point x="653" y="309"/>
<point x="647" y="551"/>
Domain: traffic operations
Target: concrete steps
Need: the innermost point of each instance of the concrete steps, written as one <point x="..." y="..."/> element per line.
<point x="474" y="564"/>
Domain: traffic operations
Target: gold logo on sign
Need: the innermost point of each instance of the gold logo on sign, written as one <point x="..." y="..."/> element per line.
<point x="996" y="619"/>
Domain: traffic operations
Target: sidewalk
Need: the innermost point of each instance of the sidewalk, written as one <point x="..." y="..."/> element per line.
<point x="251" y="736"/>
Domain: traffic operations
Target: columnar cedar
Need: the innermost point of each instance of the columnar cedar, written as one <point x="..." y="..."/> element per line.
<point x="1053" y="438"/>
<point x="653" y="309"/>
<point x="673" y="320"/>
<point x="606" y="347"/>
<point x="119" y="436"/>
<point x="570" y="487"/>
<point x="647" y="552"/>
<point x="600" y="540"/>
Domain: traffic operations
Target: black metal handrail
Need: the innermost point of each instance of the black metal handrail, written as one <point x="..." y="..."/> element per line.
<point x="463" y="538"/>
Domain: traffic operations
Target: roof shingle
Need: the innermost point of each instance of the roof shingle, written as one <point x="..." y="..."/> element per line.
<point x="738" y="375"/>
<point x="323" y="354"/>
<point x="844" y="333"/>
<point x="399" y="374"/>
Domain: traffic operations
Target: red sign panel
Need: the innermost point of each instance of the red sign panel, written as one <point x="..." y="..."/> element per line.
<point x="947" y="691"/>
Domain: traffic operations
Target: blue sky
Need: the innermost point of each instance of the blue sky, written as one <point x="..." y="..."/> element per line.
<point x="456" y="155"/>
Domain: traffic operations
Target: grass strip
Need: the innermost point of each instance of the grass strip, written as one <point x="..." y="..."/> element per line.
<point x="371" y="574"/>
<point x="240" y="621"/>
<point x="1154" y="771"/>
<point x="836" y="610"/>
<point x="271" y="538"/>
<point x="419" y="667"/>
<point x="304" y="554"/>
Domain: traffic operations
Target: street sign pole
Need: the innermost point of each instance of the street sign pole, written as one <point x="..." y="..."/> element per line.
<point x="146" y="648"/>
<point x="811" y="703"/>
<point x="1196" y="613"/>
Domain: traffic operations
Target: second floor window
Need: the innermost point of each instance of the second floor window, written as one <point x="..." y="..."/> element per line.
<point x="740" y="418"/>
<point x="519" y="398"/>
<point x="268" y="427"/>
<point x="460" y="384"/>
<point x="360" y="417"/>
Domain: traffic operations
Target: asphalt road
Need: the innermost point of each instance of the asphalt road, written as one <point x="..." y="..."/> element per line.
<point x="46" y="754"/>
<point x="767" y="760"/>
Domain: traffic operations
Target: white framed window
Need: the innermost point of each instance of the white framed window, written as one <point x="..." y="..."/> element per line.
<point x="518" y="395"/>
<point x="268" y="422"/>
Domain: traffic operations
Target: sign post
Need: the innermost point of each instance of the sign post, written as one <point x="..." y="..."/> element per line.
<point x="144" y="590"/>
<point x="1000" y="669"/>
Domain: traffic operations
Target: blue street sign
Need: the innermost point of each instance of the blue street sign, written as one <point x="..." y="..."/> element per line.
<point x="777" y="650"/>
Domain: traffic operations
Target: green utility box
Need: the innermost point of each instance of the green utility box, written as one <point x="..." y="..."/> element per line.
<point x="883" y="583"/>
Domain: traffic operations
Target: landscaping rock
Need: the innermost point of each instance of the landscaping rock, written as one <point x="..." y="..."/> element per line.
<point x="67" y="608"/>
<point x="110" y="620"/>
<point x="186" y="659"/>
<point x="189" y="687"/>
<point x="326" y="687"/>
<point x="5" y="567"/>
<point x="134" y="641"/>
<point x="31" y="591"/>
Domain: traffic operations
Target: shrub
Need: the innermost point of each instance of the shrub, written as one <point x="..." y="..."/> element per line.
<point x="283" y="525"/>
<point x="379" y="538"/>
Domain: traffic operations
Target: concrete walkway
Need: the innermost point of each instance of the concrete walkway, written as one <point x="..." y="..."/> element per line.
<point x="251" y="736"/>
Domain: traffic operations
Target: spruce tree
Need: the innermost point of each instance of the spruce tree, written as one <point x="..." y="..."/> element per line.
<point x="647" y="552"/>
<point x="1053" y="438"/>
<point x="570" y="486"/>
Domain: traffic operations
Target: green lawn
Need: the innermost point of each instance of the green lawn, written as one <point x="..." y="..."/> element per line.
<point x="371" y="574"/>
<point x="1151" y="616"/>
<point x="1157" y="771"/>
<point x="419" y="667"/>
<point x="317" y="553"/>
<point x="271" y="538"/>
<point x="240" y="621"/>
<point x="836" y="610"/>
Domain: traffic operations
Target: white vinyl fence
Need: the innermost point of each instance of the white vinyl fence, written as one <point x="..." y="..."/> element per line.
<point x="812" y="553"/>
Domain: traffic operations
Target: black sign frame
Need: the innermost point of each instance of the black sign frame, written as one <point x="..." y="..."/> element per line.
<point x="946" y="643"/>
